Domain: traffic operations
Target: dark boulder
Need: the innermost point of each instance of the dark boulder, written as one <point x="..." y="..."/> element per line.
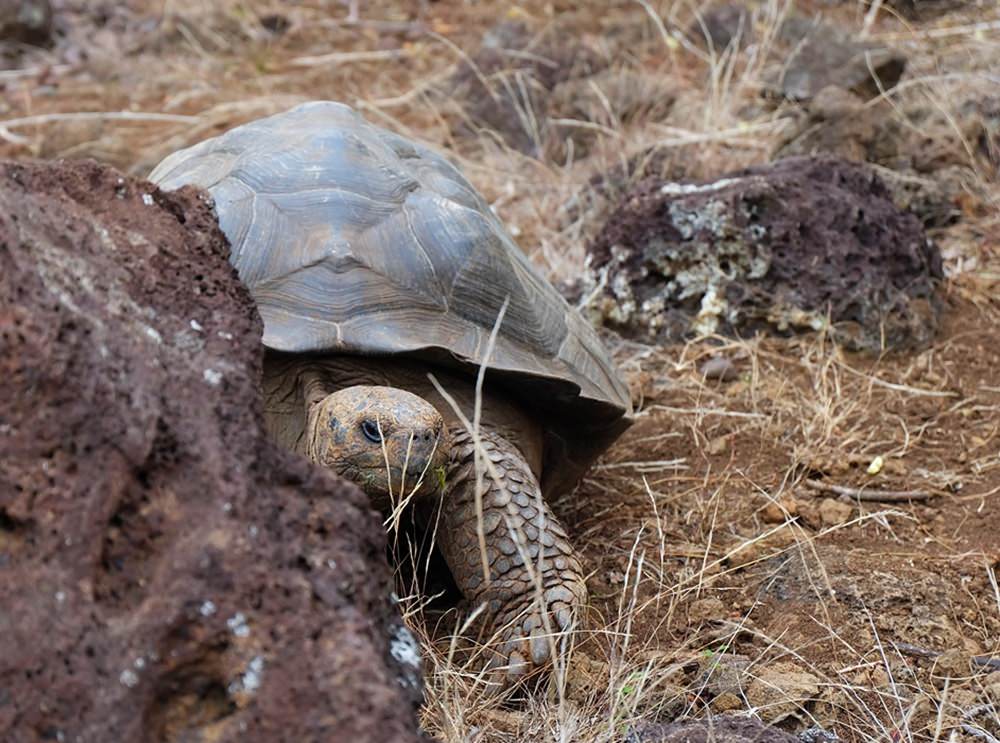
<point x="166" y="574"/>
<point x="804" y="243"/>
<point x="717" y="729"/>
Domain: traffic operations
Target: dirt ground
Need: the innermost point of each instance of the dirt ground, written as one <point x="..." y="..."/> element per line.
<point x="727" y="573"/>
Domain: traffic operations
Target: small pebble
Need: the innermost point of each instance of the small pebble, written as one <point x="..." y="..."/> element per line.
<point x="720" y="368"/>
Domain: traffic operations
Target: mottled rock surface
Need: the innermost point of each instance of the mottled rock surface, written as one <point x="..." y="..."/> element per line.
<point x="717" y="729"/>
<point x="165" y="573"/>
<point x="804" y="243"/>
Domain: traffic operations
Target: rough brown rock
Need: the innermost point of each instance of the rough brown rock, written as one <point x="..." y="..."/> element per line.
<point x="717" y="729"/>
<point x="805" y="243"/>
<point x="782" y="690"/>
<point x="722" y="673"/>
<point x="165" y="573"/>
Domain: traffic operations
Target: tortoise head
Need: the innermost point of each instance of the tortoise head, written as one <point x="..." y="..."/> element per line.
<point x="389" y="441"/>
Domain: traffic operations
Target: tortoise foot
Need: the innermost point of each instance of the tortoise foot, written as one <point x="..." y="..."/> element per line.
<point x="536" y="632"/>
<point x="535" y="588"/>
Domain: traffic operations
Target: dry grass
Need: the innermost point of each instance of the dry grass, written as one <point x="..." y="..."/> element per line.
<point x="702" y="501"/>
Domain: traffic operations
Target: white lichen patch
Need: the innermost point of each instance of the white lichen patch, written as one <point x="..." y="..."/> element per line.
<point x="685" y="189"/>
<point x="713" y="307"/>
<point x="152" y="333"/>
<point x="250" y="681"/>
<point x="643" y="290"/>
<point x="147" y="199"/>
<point x="404" y="647"/>
<point x="196" y="326"/>
<point x="785" y="317"/>
<point x="207" y="609"/>
<point x="711" y="217"/>
<point x="238" y="624"/>
<point x="128" y="678"/>
<point x="213" y="377"/>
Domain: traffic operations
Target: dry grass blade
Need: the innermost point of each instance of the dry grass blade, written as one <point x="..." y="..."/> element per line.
<point x="40" y="119"/>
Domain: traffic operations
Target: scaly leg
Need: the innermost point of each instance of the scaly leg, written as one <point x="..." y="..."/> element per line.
<point x="516" y="523"/>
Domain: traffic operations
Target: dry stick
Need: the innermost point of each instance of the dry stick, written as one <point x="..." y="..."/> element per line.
<point x="984" y="661"/>
<point x="885" y="496"/>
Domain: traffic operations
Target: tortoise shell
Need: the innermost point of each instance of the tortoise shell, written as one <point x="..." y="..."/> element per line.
<point x="355" y="240"/>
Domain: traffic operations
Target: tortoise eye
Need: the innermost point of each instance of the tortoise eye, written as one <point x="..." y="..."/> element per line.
<point x="370" y="430"/>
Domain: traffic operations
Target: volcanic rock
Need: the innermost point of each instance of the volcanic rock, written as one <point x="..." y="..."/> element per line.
<point x="717" y="729"/>
<point x="804" y="243"/>
<point x="166" y="574"/>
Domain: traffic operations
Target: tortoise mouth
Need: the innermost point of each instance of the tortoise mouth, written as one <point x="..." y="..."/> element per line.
<point x="379" y="480"/>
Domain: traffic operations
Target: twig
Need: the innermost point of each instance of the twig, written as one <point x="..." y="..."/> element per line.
<point x="885" y="496"/>
<point x="983" y="661"/>
<point x="348" y="57"/>
<point x="654" y="465"/>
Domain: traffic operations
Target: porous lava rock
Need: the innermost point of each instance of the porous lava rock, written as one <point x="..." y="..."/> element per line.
<point x="166" y="574"/>
<point x="804" y="243"/>
<point x="716" y="729"/>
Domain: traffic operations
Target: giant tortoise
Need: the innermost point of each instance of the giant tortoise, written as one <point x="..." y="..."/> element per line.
<point x="381" y="274"/>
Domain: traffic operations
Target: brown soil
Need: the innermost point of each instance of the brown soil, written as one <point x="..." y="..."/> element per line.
<point x="699" y="530"/>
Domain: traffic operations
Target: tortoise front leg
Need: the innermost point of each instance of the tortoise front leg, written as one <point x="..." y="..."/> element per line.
<point x="516" y="524"/>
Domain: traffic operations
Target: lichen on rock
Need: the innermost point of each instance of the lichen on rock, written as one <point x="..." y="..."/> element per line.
<point x="802" y="244"/>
